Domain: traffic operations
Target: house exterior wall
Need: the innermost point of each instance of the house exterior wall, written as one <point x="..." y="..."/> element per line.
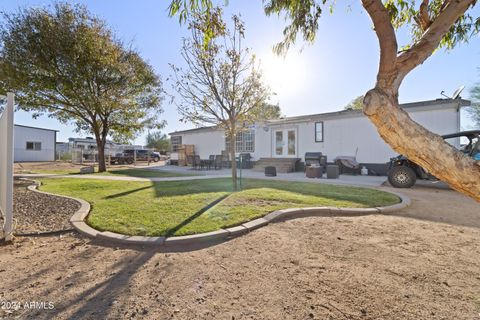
<point x="263" y="141"/>
<point x="206" y="142"/>
<point x="22" y="135"/>
<point x="343" y="134"/>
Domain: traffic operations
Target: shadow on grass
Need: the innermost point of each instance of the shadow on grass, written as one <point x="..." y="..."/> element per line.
<point x="364" y="196"/>
<point x="126" y="193"/>
<point x="171" y="232"/>
<point x="144" y="173"/>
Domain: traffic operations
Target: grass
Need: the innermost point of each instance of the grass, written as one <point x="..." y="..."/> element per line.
<point x="185" y="207"/>
<point x="134" y="172"/>
<point x="144" y="173"/>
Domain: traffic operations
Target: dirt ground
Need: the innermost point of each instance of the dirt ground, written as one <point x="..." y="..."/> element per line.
<point x="28" y="167"/>
<point x="33" y="167"/>
<point x="36" y="212"/>
<point x="420" y="263"/>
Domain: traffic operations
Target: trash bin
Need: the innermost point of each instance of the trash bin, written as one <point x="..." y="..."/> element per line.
<point x="270" y="171"/>
<point x="333" y="171"/>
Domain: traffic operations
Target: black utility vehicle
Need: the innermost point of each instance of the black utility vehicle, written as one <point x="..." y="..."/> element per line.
<point x="403" y="173"/>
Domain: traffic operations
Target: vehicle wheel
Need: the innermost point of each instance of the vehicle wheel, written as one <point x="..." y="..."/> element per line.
<point x="156" y="159"/>
<point x="402" y="177"/>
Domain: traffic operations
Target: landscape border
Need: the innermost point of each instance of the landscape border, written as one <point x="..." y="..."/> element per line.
<point x="78" y="222"/>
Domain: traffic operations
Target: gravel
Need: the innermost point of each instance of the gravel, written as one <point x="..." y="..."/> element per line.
<point x="37" y="213"/>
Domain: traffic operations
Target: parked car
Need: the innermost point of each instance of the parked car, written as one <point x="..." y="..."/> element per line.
<point x="403" y="173"/>
<point x="129" y="156"/>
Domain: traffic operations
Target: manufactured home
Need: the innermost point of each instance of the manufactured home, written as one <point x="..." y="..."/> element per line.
<point x="33" y="144"/>
<point x="342" y="133"/>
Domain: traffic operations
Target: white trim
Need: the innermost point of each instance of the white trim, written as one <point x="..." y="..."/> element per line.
<point x="284" y="131"/>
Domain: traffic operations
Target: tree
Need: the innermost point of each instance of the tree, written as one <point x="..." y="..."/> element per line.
<point x="474" y="110"/>
<point x="355" y="104"/>
<point x="66" y="63"/>
<point x="267" y="111"/>
<point x="434" y="24"/>
<point x="221" y="84"/>
<point x="158" y="141"/>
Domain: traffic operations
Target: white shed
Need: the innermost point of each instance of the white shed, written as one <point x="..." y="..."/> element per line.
<point x="33" y="144"/>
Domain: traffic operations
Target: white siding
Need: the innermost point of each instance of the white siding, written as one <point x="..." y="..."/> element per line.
<point x="22" y="135"/>
<point x="343" y="134"/>
<point x="206" y="142"/>
<point x="263" y="148"/>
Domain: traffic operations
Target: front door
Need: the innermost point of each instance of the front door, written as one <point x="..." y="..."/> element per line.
<point x="285" y="143"/>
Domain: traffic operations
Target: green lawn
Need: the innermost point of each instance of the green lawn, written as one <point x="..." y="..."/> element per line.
<point x="185" y="207"/>
<point x="133" y="172"/>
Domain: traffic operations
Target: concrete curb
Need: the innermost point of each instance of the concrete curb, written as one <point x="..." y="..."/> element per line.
<point x="78" y="222"/>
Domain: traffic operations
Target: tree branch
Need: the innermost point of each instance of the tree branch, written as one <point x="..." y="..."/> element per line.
<point x="432" y="37"/>
<point x="387" y="40"/>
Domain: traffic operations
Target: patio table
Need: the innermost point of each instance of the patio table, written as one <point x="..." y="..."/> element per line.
<point x="313" y="172"/>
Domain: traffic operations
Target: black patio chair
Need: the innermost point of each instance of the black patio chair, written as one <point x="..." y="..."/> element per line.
<point x="197" y="163"/>
<point x="245" y="160"/>
<point x="190" y="160"/>
<point x="211" y="161"/>
<point x="218" y="161"/>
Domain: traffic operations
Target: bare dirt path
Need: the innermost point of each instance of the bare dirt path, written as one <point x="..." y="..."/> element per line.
<point x="421" y="263"/>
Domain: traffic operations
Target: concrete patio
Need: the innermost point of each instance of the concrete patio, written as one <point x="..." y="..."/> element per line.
<point x="355" y="180"/>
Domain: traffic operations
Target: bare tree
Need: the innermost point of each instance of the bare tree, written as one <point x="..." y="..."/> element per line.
<point x="221" y="83"/>
<point x="433" y="24"/>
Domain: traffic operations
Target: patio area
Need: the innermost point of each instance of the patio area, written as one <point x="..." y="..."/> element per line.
<point x="353" y="180"/>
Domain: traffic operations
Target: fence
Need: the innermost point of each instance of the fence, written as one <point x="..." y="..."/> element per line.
<point x="6" y="168"/>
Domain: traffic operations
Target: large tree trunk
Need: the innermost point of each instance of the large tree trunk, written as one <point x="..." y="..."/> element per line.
<point x="233" y="139"/>
<point x="393" y="124"/>
<point x="102" y="167"/>
<point x="420" y="145"/>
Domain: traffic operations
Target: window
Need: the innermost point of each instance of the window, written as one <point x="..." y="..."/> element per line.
<point x="176" y="143"/>
<point x="291" y="142"/>
<point x="35" y="146"/>
<point x="319" y="131"/>
<point x="279" y="143"/>
<point x="244" y="142"/>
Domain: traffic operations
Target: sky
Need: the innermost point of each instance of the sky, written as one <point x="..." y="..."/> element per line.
<point x="322" y="77"/>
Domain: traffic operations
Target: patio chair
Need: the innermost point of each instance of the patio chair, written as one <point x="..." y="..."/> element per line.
<point x="226" y="159"/>
<point x="197" y="163"/>
<point x="190" y="160"/>
<point x="348" y="165"/>
<point x="218" y="161"/>
<point x="245" y="160"/>
<point x="211" y="161"/>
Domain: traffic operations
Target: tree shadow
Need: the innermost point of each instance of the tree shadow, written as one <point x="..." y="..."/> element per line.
<point x="186" y="187"/>
<point x="197" y="214"/>
<point x="96" y="301"/>
<point x="126" y="193"/>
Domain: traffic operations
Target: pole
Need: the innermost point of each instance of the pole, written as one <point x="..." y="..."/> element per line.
<point x="8" y="223"/>
<point x="241" y="165"/>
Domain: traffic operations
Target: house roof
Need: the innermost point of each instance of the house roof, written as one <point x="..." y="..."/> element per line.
<point x="29" y="127"/>
<point x="356" y="112"/>
<point x="87" y="140"/>
<point x="206" y="129"/>
<point x="341" y="113"/>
